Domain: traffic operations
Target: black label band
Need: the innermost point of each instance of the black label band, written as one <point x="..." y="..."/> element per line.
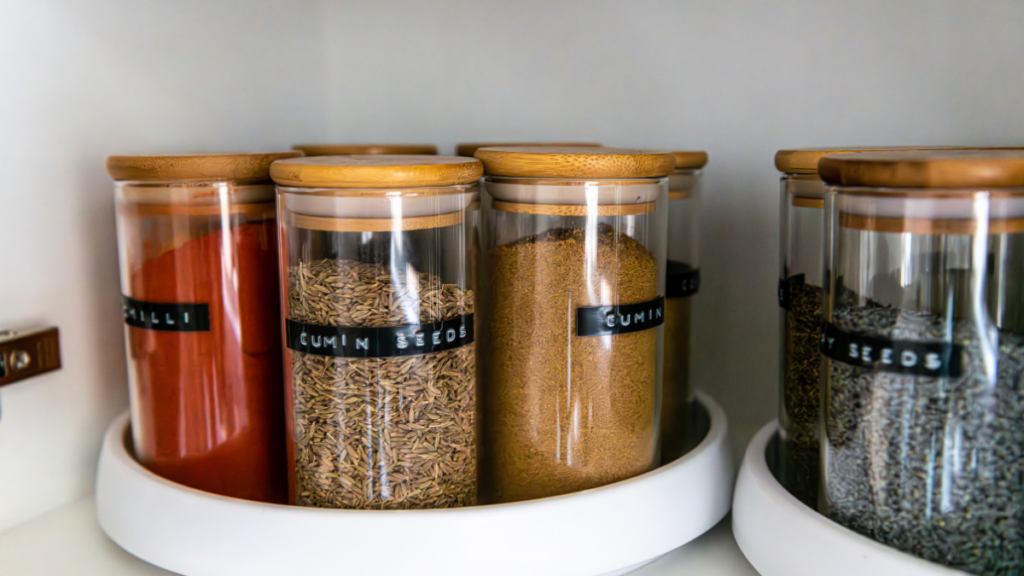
<point x="683" y="280"/>
<point x="606" y="320"/>
<point x="357" y="342"/>
<point x="931" y="359"/>
<point x="166" y="317"/>
<point x="786" y="286"/>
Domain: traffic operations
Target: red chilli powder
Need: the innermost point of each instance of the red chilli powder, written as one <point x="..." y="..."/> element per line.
<point x="208" y="407"/>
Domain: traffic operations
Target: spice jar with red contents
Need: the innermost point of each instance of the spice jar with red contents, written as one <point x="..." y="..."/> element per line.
<point x="198" y="252"/>
<point x="378" y="306"/>
<point x="682" y="280"/>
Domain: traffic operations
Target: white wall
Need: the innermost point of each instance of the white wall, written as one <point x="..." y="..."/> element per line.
<point x="739" y="78"/>
<point x="80" y="80"/>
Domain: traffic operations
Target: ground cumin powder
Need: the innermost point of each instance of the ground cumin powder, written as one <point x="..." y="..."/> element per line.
<point x="564" y="413"/>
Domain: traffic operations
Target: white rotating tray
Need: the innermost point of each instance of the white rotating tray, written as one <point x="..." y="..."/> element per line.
<point x="781" y="536"/>
<point x="603" y="531"/>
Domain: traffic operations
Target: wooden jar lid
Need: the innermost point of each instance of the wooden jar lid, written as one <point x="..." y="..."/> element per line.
<point x="352" y="149"/>
<point x="690" y="159"/>
<point x="242" y="168"/>
<point x="376" y="171"/>
<point x="963" y="168"/>
<point x="575" y="162"/>
<point x="470" y="148"/>
<point x="805" y="160"/>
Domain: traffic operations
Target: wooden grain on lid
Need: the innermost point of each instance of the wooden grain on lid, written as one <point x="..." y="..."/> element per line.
<point x="575" y="162"/>
<point x="926" y="169"/>
<point x="243" y="168"/>
<point x="352" y="149"/>
<point x="805" y="160"/>
<point x="470" y="148"/>
<point x="376" y="171"/>
<point x="690" y="159"/>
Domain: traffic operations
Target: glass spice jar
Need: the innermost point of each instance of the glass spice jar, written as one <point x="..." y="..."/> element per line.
<point x="681" y="283"/>
<point x="572" y="306"/>
<point x="364" y="149"/>
<point x="923" y="343"/>
<point x="381" y="381"/>
<point x="198" y="252"/>
<point x="801" y="246"/>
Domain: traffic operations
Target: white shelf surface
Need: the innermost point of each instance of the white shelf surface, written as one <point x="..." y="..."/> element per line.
<point x="69" y="540"/>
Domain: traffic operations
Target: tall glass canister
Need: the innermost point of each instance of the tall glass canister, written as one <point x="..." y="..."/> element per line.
<point x="378" y="307"/>
<point x="801" y="247"/>
<point x="198" y="251"/>
<point x="681" y="284"/>
<point x="366" y="149"/>
<point x="571" y="316"/>
<point x="923" y="441"/>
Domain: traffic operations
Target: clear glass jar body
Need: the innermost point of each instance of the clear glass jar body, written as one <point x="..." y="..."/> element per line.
<point x="682" y="281"/>
<point x="800" y="299"/>
<point x="571" y="334"/>
<point x="924" y="401"/>
<point x="380" y="360"/>
<point x="201" y="303"/>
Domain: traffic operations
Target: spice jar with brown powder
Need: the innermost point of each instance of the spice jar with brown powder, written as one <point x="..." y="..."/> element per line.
<point x="571" y="317"/>
<point x="681" y="283"/>
<point x="198" y="245"/>
<point x="378" y="306"/>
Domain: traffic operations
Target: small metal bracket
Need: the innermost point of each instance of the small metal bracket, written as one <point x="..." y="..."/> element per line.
<point x="28" y="353"/>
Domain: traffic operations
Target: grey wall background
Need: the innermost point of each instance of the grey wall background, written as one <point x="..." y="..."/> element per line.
<point x="739" y="78"/>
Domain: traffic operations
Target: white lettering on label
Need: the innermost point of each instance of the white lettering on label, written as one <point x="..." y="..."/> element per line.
<point x="302" y="338"/>
<point x="610" y="320"/>
<point x="168" y="320"/>
<point x="658" y="311"/>
<point x="932" y="361"/>
<point x="436" y="337"/>
<point x="865" y="354"/>
<point x="625" y="320"/>
<point x="363" y="343"/>
<point x="419" y="339"/>
<point x="152" y="318"/>
<point x="639" y="317"/>
<point x="332" y="341"/>
<point x="450" y="335"/>
<point x="908" y="358"/>
<point x="854" y="352"/>
<point x="316" y="341"/>
<point x="886" y="355"/>
<point x="186" y="317"/>
<point x="403" y="342"/>
<point x="462" y="331"/>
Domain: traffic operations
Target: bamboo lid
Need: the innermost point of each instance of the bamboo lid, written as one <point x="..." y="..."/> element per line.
<point x="376" y="171"/>
<point x="470" y="148"/>
<point x="575" y="162"/>
<point x="926" y="169"/>
<point x="244" y="168"/>
<point x="352" y="149"/>
<point x="805" y="160"/>
<point x="690" y="159"/>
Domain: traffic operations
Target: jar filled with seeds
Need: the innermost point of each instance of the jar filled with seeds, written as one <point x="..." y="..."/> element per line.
<point x="923" y="341"/>
<point x="364" y="149"/>
<point x="571" y="317"/>
<point x="681" y="284"/>
<point x="800" y="300"/>
<point x="198" y="247"/>
<point x="382" y="401"/>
